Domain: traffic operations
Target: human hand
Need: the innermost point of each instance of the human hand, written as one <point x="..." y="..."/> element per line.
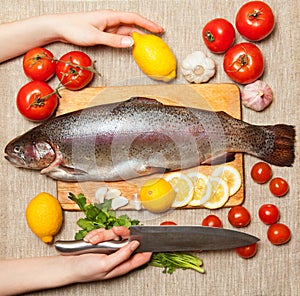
<point x="92" y="267"/>
<point x="107" y="27"/>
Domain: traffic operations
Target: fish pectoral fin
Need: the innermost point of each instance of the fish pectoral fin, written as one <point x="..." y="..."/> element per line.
<point x="219" y="159"/>
<point x="72" y="170"/>
<point x="66" y="169"/>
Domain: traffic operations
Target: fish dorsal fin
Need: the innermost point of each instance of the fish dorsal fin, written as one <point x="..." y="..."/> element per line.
<point x="143" y="101"/>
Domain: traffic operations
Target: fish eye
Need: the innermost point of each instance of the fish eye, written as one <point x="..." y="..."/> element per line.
<point x="17" y="149"/>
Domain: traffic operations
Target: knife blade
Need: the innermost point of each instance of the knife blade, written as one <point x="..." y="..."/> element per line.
<point x="165" y="239"/>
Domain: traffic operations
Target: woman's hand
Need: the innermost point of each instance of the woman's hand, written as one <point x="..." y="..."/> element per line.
<point x="107" y="27"/>
<point x="92" y="267"/>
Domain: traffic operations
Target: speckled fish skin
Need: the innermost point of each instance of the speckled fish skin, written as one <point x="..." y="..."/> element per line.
<point x="142" y="136"/>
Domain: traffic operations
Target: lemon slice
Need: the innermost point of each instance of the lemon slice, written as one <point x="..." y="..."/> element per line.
<point x="202" y="189"/>
<point x="184" y="188"/>
<point x="219" y="195"/>
<point x="230" y="175"/>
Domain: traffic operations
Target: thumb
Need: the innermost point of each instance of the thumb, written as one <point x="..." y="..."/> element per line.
<point x="114" y="40"/>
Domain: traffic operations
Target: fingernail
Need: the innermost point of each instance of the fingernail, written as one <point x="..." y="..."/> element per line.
<point x="127" y="41"/>
<point x="134" y="245"/>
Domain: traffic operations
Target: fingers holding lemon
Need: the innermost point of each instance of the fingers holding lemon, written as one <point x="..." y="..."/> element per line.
<point x="154" y="57"/>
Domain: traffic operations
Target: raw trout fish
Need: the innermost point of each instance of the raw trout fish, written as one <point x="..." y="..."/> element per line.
<point x="142" y="136"/>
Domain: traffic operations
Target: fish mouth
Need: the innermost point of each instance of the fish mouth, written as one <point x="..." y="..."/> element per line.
<point x="16" y="161"/>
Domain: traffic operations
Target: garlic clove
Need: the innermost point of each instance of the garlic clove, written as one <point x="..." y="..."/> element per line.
<point x="100" y="194"/>
<point x="136" y="203"/>
<point x="119" y="202"/>
<point x="114" y="191"/>
<point x="257" y="95"/>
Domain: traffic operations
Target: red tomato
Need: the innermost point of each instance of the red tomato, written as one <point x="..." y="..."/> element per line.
<point x="212" y="221"/>
<point x="168" y="223"/>
<point x="218" y="35"/>
<point x="279" y="234"/>
<point x="261" y="172"/>
<point x="39" y="64"/>
<point x="239" y="216"/>
<point x="279" y="187"/>
<point x="255" y="20"/>
<point x="268" y="214"/>
<point x="244" y="63"/>
<point x="37" y="101"/>
<point x="247" y="251"/>
<point x="75" y="70"/>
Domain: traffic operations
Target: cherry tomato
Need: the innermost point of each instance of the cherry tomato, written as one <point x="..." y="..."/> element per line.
<point x="239" y="216"/>
<point x="212" y="221"/>
<point x="255" y="20"/>
<point x="279" y="187"/>
<point x="268" y="214"/>
<point x="75" y="70"/>
<point x="168" y="223"/>
<point x="39" y="64"/>
<point x="279" y="234"/>
<point x="244" y="63"/>
<point x="218" y="35"/>
<point x="37" y="101"/>
<point x="261" y="172"/>
<point x="247" y="251"/>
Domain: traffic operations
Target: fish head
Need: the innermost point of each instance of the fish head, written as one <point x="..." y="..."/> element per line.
<point x="26" y="153"/>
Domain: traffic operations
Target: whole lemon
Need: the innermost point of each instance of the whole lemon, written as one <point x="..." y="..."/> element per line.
<point x="154" y="57"/>
<point x="157" y="195"/>
<point x="44" y="216"/>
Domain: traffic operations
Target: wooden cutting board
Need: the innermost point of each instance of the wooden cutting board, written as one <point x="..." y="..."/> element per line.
<point x="216" y="97"/>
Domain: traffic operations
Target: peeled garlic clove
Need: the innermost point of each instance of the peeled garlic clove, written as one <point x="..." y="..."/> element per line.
<point x="119" y="202"/>
<point x="100" y="194"/>
<point x="136" y="203"/>
<point x="257" y="95"/>
<point x="112" y="193"/>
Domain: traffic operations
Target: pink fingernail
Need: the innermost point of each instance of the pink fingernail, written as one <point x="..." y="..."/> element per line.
<point x="127" y="41"/>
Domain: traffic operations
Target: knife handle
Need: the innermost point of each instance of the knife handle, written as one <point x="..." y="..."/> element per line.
<point x="77" y="247"/>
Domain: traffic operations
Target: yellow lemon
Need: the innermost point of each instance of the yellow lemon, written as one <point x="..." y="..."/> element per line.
<point x="230" y="175"/>
<point x="157" y="195"/>
<point x="202" y="189"/>
<point x="154" y="57"/>
<point x="183" y="187"/>
<point x="44" y="216"/>
<point x="219" y="195"/>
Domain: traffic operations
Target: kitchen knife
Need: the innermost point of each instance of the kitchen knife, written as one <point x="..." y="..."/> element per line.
<point x="165" y="239"/>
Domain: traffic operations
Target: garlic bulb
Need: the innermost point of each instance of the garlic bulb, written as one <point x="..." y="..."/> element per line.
<point x="257" y="95"/>
<point x="197" y="67"/>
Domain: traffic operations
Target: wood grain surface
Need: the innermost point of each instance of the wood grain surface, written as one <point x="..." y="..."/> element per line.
<point x="225" y="97"/>
<point x="274" y="271"/>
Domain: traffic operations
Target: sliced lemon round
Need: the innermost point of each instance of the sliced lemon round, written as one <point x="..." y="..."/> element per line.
<point x="202" y="189"/>
<point x="219" y="195"/>
<point x="183" y="187"/>
<point x="230" y="175"/>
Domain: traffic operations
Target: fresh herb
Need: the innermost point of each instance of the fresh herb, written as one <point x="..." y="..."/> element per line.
<point x="172" y="261"/>
<point x="98" y="216"/>
<point x="101" y="216"/>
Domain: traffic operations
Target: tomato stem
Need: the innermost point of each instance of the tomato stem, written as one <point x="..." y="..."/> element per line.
<point x="255" y="14"/>
<point x="91" y="68"/>
<point x="209" y="36"/>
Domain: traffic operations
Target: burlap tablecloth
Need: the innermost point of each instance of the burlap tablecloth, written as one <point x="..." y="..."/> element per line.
<point x="275" y="270"/>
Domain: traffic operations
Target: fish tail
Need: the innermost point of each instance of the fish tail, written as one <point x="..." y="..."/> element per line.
<point x="282" y="152"/>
